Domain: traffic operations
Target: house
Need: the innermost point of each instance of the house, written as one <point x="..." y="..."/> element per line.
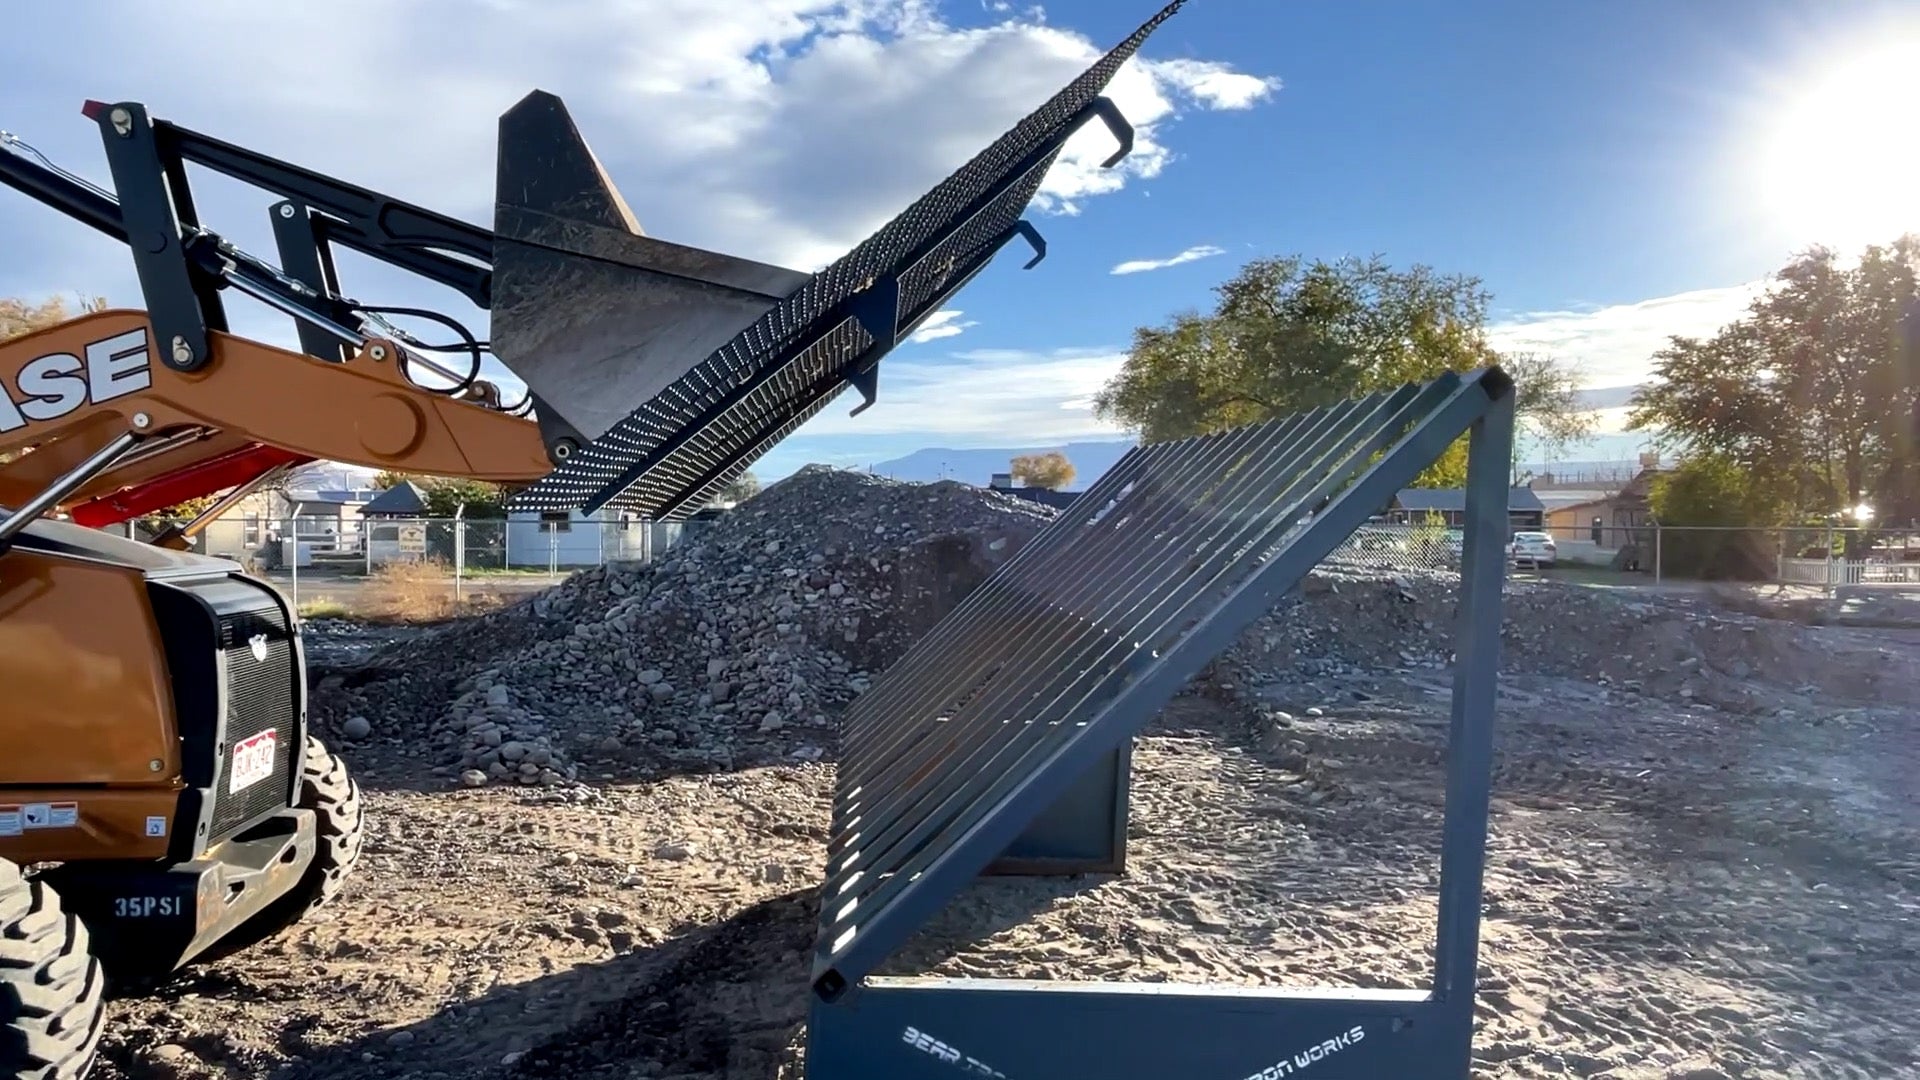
<point x="403" y="500"/>
<point x="557" y="540"/>
<point x="397" y="529"/>
<point x="1059" y="500"/>
<point x="258" y="526"/>
<point x="326" y="519"/>
<point x="1605" y="510"/>
<point x="1632" y="509"/>
<point x="1415" y="505"/>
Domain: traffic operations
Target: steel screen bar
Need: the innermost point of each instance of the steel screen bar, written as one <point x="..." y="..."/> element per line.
<point x="1120" y="561"/>
<point x="1116" y="559"/>
<point x="1071" y="676"/>
<point x="1084" y="635"/>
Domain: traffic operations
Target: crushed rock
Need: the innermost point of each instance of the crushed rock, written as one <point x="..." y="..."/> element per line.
<point x="738" y="647"/>
<point x="742" y="645"/>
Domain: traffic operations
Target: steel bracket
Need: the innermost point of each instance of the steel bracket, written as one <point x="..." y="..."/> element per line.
<point x="301" y="239"/>
<point x="153" y="206"/>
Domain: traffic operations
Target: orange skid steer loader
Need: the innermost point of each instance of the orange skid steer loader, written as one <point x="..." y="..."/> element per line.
<point x="162" y="800"/>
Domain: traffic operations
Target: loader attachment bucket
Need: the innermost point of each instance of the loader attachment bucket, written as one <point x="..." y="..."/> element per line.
<point x="767" y="350"/>
<point x="592" y="313"/>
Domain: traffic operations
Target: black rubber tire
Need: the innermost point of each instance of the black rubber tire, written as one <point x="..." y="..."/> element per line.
<point x="334" y="797"/>
<point x="52" y="991"/>
<point x="339" y="821"/>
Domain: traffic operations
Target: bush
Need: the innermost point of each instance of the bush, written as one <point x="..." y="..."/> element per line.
<point x="1714" y="520"/>
<point x="419" y="592"/>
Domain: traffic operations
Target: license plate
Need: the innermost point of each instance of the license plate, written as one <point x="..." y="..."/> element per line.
<point x="252" y="761"/>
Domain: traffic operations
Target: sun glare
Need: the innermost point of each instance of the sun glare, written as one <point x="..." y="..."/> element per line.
<point x="1842" y="164"/>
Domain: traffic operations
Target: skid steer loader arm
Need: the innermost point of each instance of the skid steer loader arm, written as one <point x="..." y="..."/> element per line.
<point x="74" y="390"/>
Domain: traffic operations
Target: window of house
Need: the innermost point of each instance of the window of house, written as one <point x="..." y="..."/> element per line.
<point x="556" y="521"/>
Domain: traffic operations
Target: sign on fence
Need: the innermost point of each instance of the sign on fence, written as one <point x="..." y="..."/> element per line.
<point x="413" y="538"/>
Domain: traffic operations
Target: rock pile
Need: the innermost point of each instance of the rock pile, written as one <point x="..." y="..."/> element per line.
<point x="737" y="647"/>
<point x="744" y="642"/>
<point x="1345" y="623"/>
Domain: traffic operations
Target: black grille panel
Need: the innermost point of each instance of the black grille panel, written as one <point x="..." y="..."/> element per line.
<point x="262" y="694"/>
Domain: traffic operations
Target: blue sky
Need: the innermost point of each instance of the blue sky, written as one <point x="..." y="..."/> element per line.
<point x="1614" y="172"/>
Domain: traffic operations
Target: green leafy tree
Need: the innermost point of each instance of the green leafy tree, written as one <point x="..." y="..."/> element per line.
<point x="1812" y="393"/>
<point x="446" y="495"/>
<point x="1286" y="335"/>
<point x="1706" y="506"/>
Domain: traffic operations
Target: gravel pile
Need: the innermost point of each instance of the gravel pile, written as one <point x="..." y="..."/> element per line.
<point x="1350" y="623"/>
<point x="736" y="649"/>
<point x="742" y="646"/>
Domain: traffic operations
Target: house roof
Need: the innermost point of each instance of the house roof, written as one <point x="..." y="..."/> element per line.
<point x="335" y="496"/>
<point x="1569" y="497"/>
<point x="1444" y="500"/>
<point x="404" y="499"/>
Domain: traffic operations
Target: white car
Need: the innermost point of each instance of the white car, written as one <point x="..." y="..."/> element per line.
<point x="1534" y="548"/>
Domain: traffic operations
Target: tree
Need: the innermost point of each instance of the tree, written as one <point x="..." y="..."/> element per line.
<point x="1050" y="470"/>
<point x="744" y="487"/>
<point x="1812" y="393"/>
<point x="19" y="317"/>
<point x="1700" y="505"/>
<point x="180" y="513"/>
<point x="1287" y="335"/>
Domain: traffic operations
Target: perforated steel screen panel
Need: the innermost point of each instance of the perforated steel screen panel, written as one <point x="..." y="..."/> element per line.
<point x="674" y="452"/>
<point x="1085" y="634"/>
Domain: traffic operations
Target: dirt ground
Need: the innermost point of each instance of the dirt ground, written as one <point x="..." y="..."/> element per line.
<point x="1676" y="888"/>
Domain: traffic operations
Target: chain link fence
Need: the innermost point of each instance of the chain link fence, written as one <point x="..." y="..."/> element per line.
<point x="1820" y="556"/>
<point x="430" y="567"/>
<point x="354" y="564"/>
<point x="1384" y="547"/>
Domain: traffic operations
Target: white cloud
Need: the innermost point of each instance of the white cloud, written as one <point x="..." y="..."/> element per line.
<point x="1192" y="254"/>
<point x="1030" y="397"/>
<point x="944" y="323"/>
<point x="983" y="397"/>
<point x="780" y="130"/>
<point x="1215" y="85"/>
<point x="1614" y="346"/>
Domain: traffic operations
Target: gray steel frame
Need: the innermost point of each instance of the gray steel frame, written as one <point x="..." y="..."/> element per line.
<point x="1057" y="661"/>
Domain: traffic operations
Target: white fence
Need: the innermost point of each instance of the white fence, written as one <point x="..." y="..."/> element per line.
<point x="471" y="545"/>
<point x="1838" y="571"/>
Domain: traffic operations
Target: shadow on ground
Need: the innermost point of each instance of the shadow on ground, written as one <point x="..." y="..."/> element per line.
<point x="726" y="1000"/>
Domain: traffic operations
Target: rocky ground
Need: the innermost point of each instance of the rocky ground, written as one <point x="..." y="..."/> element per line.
<point x="596" y="818"/>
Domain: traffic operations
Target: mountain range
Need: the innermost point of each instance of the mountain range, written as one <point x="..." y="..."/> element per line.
<point x="976" y="465"/>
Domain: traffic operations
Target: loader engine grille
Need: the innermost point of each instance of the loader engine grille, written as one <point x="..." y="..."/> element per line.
<point x="256" y="650"/>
